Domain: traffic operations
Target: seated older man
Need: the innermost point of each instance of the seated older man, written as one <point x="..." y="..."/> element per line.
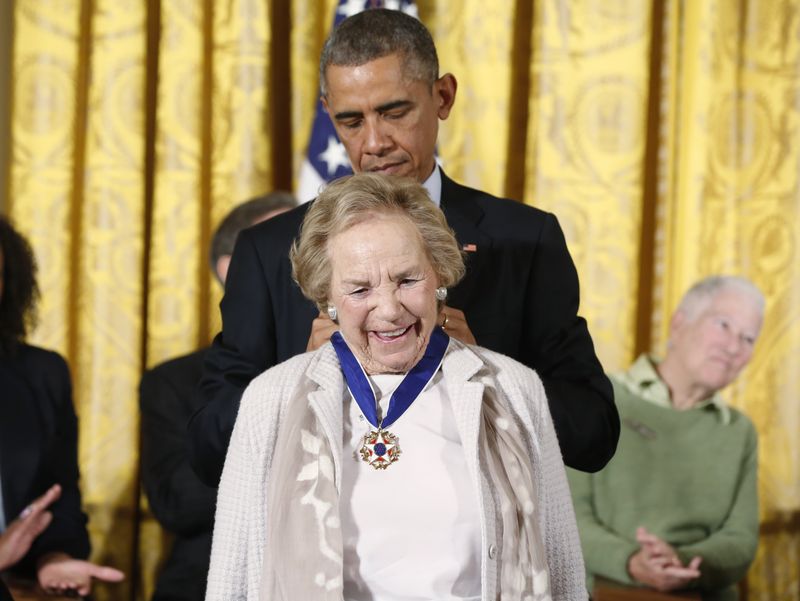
<point x="676" y="508"/>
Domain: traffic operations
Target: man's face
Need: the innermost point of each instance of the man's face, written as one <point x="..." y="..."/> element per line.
<point x="387" y="122"/>
<point x="716" y="345"/>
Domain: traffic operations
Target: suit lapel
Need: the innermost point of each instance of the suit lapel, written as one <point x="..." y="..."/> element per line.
<point x="465" y="215"/>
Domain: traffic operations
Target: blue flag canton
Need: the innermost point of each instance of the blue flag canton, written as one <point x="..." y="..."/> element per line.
<point x="325" y="152"/>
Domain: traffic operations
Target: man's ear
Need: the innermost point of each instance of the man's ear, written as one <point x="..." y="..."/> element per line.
<point x="223" y="262"/>
<point x="444" y="91"/>
<point x="324" y="102"/>
<point x="679" y="318"/>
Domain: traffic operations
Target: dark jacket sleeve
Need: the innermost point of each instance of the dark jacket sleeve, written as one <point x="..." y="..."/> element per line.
<point x="559" y="347"/>
<point x="67" y="532"/>
<point x="180" y="501"/>
<point x="244" y="348"/>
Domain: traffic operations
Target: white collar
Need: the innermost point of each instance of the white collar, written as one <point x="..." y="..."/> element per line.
<point x="434" y="185"/>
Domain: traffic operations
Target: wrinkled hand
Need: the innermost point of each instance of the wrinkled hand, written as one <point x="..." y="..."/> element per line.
<point x="657" y="564"/>
<point x="60" y="574"/>
<point x="20" y="534"/>
<point x="322" y="328"/>
<point x="455" y="324"/>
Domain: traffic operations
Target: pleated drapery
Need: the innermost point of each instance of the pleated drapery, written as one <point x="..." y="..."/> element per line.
<point x="663" y="135"/>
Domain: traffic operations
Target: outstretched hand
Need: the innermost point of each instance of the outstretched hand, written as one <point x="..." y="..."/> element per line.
<point x="17" y="539"/>
<point x="60" y="574"/>
<point x="657" y="564"/>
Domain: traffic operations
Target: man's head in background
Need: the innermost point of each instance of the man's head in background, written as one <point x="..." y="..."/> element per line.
<point x="380" y="84"/>
<point x="241" y="217"/>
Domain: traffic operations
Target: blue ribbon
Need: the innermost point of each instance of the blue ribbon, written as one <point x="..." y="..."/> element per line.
<point x="402" y="398"/>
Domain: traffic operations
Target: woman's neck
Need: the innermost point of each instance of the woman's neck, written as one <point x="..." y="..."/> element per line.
<point x="683" y="392"/>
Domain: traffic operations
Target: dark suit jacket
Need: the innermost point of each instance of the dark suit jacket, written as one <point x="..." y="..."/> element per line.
<point x="179" y="500"/>
<point x="39" y="448"/>
<point x="520" y="298"/>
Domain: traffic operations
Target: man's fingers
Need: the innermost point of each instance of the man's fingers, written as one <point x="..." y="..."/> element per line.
<point x="454" y="322"/>
<point x="644" y="536"/>
<point x="322" y="328"/>
<point x="682" y="572"/>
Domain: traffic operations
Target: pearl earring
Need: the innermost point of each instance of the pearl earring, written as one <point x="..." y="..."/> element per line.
<point x="441" y="293"/>
<point x="332" y="312"/>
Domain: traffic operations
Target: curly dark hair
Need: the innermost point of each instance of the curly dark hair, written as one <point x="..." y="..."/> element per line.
<point x="19" y="292"/>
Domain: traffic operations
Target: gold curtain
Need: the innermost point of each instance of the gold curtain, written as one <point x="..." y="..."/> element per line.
<point x="663" y="134"/>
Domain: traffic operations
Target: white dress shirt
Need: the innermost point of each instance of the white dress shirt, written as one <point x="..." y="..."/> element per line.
<point x="411" y="531"/>
<point x="434" y="186"/>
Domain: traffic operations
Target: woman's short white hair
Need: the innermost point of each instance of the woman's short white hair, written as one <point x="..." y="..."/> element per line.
<point x="351" y="200"/>
<point x="703" y="292"/>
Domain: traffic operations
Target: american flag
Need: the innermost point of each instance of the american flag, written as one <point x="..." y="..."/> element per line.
<point x="326" y="158"/>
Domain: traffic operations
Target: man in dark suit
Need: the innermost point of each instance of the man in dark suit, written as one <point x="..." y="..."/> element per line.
<point x="381" y="87"/>
<point x="168" y="398"/>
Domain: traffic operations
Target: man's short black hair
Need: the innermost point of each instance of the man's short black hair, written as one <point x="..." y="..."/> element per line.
<point x="379" y="32"/>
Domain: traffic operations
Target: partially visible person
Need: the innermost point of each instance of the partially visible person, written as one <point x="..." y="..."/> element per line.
<point x="381" y="87"/>
<point x="38" y="438"/>
<point x="168" y="398"/>
<point x="394" y="462"/>
<point x="677" y="508"/>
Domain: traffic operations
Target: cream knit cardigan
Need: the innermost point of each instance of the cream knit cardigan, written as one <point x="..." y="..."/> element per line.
<point x="240" y="523"/>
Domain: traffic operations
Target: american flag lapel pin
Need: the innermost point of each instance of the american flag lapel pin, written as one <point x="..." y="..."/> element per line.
<point x="470" y="248"/>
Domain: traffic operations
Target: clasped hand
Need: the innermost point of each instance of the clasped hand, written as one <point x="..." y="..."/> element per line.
<point x="657" y="564"/>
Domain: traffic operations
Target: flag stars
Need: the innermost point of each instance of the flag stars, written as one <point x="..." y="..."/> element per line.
<point x="351" y="7"/>
<point x="334" y="155"/>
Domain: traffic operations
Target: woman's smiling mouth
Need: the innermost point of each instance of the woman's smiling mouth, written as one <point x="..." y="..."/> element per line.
<point x="391" y="335"/>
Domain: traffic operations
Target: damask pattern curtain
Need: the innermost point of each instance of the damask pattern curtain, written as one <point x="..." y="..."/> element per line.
<point x="663" y="135"/>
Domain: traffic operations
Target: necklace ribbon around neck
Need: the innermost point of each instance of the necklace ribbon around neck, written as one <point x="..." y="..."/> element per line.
<point x="380" y="446"/>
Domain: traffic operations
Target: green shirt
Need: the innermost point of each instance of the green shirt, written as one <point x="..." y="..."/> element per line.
<point x="689" y="477"/>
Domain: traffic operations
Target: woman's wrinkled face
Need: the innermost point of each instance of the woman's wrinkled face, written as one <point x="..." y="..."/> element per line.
<point x="384" y="290"/>
<point x="717" y="344"/>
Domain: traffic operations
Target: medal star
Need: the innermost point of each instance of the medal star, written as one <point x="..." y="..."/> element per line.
<point x="380" y="449"/>
<point x="351" y="7"/>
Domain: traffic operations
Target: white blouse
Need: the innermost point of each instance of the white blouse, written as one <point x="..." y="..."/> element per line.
<point x="411" y="531"/>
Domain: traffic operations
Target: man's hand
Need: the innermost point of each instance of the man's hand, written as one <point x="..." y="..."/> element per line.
<point x="452" y="320"/>
<point x="60" y="574"/>
<point x="322" y="328"/>
<point x="20" y="534"/>
<point x="455" y="324"/>
<point x="657" y="565"/>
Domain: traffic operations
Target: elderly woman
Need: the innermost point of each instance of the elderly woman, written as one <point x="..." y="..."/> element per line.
<point x="395" y="462"/>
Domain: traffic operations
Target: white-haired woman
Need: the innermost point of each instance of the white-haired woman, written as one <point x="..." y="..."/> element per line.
<point x="395" y="462"/>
